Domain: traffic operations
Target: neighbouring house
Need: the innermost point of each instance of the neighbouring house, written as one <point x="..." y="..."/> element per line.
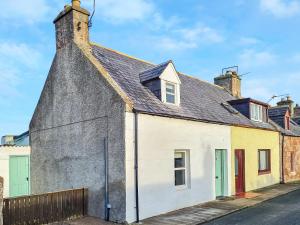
<point x="254" y="152"/>
<point x="283" y="115"/>
<point x="14" y="164"/>
<point x="16" y="140"/>
<point x="143" y="138"/>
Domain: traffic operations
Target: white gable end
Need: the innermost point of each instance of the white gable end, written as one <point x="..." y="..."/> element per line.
<point x="170" y="74"/>
<point x="170" y="77"/>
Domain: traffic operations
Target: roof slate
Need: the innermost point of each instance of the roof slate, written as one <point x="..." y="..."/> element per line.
<point x="200" y="100"/>
<point x="153" y="72"/>
<point x="277" y="114"/>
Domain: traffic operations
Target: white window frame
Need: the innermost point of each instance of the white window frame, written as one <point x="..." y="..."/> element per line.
<point x="174" y="94"/>
<point x="256" y="112"/>
<point x="186" y="169"/>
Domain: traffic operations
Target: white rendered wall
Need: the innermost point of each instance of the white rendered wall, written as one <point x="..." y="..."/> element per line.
<point x="159" y="137"/>
<point x="5" y="153"/>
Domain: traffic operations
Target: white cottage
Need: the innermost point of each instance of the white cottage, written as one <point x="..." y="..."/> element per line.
<point x="143" y="138"/>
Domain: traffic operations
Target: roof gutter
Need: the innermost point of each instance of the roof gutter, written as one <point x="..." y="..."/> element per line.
<point x="204" y="121"/>
<point x="282" y="160"/>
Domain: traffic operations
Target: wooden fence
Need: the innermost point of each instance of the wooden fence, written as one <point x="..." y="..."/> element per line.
<point x="45" y="208"/>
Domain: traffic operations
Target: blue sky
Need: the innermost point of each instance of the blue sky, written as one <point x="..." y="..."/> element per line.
<point x="200" y="36"/>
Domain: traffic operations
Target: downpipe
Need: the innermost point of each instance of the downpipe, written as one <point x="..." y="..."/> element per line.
<point x="107" y="204"/>
<point x="136" y="167"/>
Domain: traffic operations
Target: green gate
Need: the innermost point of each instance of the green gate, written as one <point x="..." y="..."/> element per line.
<point x="18" y="176"/>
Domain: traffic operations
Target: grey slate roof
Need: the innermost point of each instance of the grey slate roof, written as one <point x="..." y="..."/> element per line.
<point x="153" y="72"/>
<point x="297" y="120"/>
<point x="277" y="114"/>
<point x="200" y="100"/>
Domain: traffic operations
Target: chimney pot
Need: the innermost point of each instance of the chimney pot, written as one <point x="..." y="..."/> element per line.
<point x="76" y="3"/>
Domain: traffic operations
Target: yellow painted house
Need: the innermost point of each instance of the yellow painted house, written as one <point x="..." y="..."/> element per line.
<point x="255" y="159"/>
<point x="255" y="151"/>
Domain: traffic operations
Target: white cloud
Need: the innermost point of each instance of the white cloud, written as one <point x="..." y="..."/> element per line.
<point x="258" y="91"/>
<point x="201" y="32"/>
<point x="180" y="39"/>
<point x="119" y="11"/>
<point x="20" y="11"/>
<point x="248" y="41"/>
<point x="16" y="60"/>
<point x="281" y="8"/>
<point x="160" y="22"/>
<point x="171" y="44"/>
<point x="19" y="53"/>
<point x="251" y="58"/>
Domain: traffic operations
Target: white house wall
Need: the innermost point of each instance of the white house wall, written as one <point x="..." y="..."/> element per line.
<point x="158" y="138"/>
<point x="5" y="153"/>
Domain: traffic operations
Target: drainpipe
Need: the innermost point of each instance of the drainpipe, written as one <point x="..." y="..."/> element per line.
<point x="136" y="166"/>
<point x="282" y="160"/>
<point x="107" y="205"/>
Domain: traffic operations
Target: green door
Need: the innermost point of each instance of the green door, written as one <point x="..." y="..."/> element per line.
<point x="18" y="175"/>
<point x="221" y="173"/>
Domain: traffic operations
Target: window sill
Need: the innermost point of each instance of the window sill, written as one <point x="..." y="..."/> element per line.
<point x="181" y="187"/>
<point x="264" y="172"/>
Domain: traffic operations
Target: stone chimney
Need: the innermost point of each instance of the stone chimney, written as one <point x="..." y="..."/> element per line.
<point x="72" y="25"/>
<point x="231" y="81"/>
<point x="297" y="111"/>
<point x="287" y="102"/>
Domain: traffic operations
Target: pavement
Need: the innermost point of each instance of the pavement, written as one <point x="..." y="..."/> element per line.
<point x="211" y="211"/>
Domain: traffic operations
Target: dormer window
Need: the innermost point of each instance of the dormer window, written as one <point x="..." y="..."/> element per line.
<point x="170" y="93"/>
<point x="256" y="112"/>
<point x="163" y="82"/>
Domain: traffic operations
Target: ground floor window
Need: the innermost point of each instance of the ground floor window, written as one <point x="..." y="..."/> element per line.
<point x="292" y="162"/>
<point x="264" y="161"/>
<point x="181" y="168"/>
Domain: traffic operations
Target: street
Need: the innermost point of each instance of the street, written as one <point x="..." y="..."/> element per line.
<point x="283" y="210"/>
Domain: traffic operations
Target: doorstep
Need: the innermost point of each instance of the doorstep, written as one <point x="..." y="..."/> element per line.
<point x="215" y="209"/>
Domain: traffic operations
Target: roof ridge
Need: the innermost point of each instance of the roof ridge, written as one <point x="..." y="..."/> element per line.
<point x="156" y="66"/>
<point x="121" y="53"/>
<point x="205" y="81"/>
<point x="138" y="59"/>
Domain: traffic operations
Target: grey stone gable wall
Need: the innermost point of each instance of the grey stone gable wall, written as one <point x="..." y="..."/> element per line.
<point x="77" y="110"/>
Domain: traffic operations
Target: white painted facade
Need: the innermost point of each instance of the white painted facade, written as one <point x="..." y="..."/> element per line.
<point x="170" y="75"/>
<point x="5" y="153"/>
<point x="158" y="139"/>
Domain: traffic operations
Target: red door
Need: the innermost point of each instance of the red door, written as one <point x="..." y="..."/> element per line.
<point x="239" y="171"/>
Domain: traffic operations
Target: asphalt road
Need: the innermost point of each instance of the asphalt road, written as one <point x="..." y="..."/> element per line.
<point x="283" y="210"/>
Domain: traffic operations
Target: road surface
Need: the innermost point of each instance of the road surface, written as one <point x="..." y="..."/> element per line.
<point x="284" y="210"/>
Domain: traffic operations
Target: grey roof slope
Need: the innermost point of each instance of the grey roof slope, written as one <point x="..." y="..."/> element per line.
<point x="277" y="115"/>
<point x="154" y="72"/>
<point x="199" y="100"/>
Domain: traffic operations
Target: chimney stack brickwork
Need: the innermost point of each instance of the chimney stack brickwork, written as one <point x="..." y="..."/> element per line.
<point x="231" y="82"/>
<point x="297" y="111"/>
<point x="72" y="25"/>
<point x="287" y="102"/>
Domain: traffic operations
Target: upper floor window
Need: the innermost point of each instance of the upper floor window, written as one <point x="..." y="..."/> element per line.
<point x="256" y="112"/>
<point x="170" y="93"/>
